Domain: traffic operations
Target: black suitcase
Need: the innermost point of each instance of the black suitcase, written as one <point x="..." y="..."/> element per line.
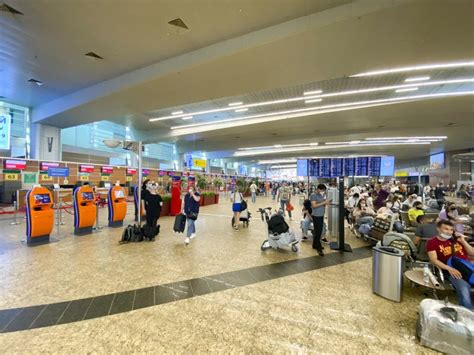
<point x="179" y="223"/>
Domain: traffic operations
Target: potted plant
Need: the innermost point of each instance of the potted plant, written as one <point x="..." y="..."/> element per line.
<point x="218" y="183"/>
<point x="243" y="186"/>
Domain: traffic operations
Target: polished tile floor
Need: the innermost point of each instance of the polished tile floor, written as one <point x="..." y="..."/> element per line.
<point x="220" y="294"/>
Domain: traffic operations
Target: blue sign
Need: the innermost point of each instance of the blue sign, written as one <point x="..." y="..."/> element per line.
<point x="302" y="167"/>
<point x="5" y="127"/>
<point x="58" y="172"/>
<point x="336" y="167"/>
<point x="362" y="167"/>
<point x="349" y="166"/>
<point x="314" y="167"/>
<point x="387" y="166"/>
<point x="325" y="167"/>
<point x="374" y="166"/>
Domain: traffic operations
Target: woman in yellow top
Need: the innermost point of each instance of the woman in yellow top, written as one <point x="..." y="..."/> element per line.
<point x="414" y="212"/>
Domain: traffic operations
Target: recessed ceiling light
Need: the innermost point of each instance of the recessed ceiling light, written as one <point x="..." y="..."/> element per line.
<point x="417" y="78"/>
<point x="187" y="118"/>
<point x="415" y="68"/>
<point x="312" y="101"/>
<point x="235" y="104"/>
<point x="313" y="92"/>
<point x="93" y="55"/>
<point x="278" y="146"/>
<point x="406" y="90"/>
<point x="421" y="137"/>
<point x="242" y="110"/>
<point x="35" y="81"/>
<point x="177" y="113"/>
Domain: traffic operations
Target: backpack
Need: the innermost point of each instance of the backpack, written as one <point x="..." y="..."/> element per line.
<point x="277" y="224"/>
<point x="132" y="234"/>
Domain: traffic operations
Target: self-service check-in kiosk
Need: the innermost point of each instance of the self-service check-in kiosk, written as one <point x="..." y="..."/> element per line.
<point x="85" y="210"/>
<point x="117" y="206"/>
<point x="39" y="215"/>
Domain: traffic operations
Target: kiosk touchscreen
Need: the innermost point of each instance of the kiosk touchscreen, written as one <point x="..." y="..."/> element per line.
<point x="117" y="206"/>
<point x="85" y="210"/>
<point x="39" y="215"/>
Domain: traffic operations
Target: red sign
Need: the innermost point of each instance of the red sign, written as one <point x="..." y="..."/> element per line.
<point x="86" y="168"/>
<point x="107" y="170"/>
<point x="14" y="164"/>
<point x="131" y="171"/>
<point x="45" y="166"/>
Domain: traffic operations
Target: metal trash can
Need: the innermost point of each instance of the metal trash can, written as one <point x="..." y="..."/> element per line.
<point x="387" y="272"/>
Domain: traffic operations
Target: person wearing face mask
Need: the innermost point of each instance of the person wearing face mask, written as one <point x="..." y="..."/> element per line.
<point x="450" y="213"/>
<point x="414" y="212"/>
<point x="153" y="203"/>
<point x="191" y="211"/>
<point x="442" y="248"/>
<point x="363" y="213"/>
<point x="318" y="207"/>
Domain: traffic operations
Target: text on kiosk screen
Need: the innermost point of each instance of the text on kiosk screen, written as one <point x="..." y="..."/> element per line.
<point x="42" y="198"/>
<point x="87" y="196"/>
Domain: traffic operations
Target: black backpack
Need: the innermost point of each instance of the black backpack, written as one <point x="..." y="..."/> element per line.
<point x="277" y="224"/>
<point x="132" y="234"/>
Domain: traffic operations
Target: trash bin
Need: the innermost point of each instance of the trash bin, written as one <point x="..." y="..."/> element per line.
<point x="387" y="272"/>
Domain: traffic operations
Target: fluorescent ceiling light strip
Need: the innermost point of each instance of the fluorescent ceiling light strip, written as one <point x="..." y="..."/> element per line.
<point x="289" y="150"/>
<point x="242" y="110"/>
<point x="406" y="90"/>
<point x="341" y="93"/>
<point x="282" y="146"/>
<point x="313" y="100"/>
<point x="314" y="110"/>
<point x="417" y="78"/>
<point x="277" y="161"/>
<point x="187" y="117"/>
<point x="283" y="167"/>
<point x="426" y="137"/>
<point x="176" y="113"/>
<point x="386" y="141"/>
<point x="235" y="103"/>
<point x="415" y="68"/>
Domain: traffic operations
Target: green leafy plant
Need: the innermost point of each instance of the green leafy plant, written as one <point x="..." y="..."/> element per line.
<point x="201" y="181"/>
<point x="166" y="198"/>
<point x="218" y="182"/>
<point x="242" y="184"/>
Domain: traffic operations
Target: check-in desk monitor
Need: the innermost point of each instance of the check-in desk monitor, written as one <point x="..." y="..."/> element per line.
<point x="117" y="206"/>
<point x="39" y="215"/>
<point x="85" y="210"/>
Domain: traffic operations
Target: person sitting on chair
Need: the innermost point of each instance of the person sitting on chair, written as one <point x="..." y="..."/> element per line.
<point x="426" y="229"/>
<point x="442" y="248"/>
<point x="363" y="214"/>
<point x="414" y="212"/>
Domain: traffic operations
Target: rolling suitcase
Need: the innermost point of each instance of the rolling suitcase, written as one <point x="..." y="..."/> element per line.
<point x="179" y="223"/>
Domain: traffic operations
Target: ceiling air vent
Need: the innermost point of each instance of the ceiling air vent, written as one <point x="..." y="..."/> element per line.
<point x="34" y="81"/>
<point x="7" y="8"/>
<point x="178" y="22"/>
<point x="93" y="55"/>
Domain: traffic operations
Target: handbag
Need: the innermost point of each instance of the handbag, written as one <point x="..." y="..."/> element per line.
<point x="289" y="207"/>
<point x="192" y="215"/>
<point x="465" y="267"/>
<point x="243" y="205"/>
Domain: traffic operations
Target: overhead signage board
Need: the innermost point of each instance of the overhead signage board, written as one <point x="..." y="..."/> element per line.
<point x="302" y="167"/>
<point x="337" y="165"/>
<point x="10" y="164"/>
<point x="107" y="170"/>
<point x="374" y="166"/>
<point x="86" y="168"/>
<point x="58" y="172"/>
<point x="45" y="166"/>
<point x="387" y="166"/>
<point x="5" y="130"/>
<point x="362" y="166"/>
<point x="131" y="171"/>
<point x="349" y="166"/>
<point x="199" y="163"/>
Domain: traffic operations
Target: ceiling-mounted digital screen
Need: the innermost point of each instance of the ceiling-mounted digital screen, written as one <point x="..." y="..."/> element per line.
<point x="14" y="164"/>
<point x="314" y="167"/>
<point x="106" y="170"/>
<point x="337" y="167"/>
<point x="362" y="166"/>
<point x="86" y="168"/>
<point x="349" y="166"/>
<point x="437" y="161"/>
<point x="45" y="166"/>
<point x="374" y="166"/>
<point x="131" y="171"/>
<point x="302" y="167"/>
<point x="325" y="167"/>
<point x="387" y="166"/>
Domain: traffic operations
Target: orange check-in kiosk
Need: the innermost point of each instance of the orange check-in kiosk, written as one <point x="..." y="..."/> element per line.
<point x="117" y="206"/>
<point x="85" y="210"/>
<point x="39" y="215"/>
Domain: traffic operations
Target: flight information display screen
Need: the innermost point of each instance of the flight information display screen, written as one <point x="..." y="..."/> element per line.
<point x="337" y="167"/>
<point x="314" y="167"/>
<point x="349" y="166"/>
<point x="362" y="166"/>
<point x="302" y="167"/>
<point x="325" y="167"/>
<point x="374" y="166"/>
<point x="387" y="166"/>
<point x="42" y="198"/>
<point x="87" y="196"/>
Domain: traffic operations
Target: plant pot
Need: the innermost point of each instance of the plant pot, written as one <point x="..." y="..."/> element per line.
<point x="216" y="198"/>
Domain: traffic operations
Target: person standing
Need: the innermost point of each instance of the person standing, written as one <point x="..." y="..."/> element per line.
<point x="236" y="200"/>
<point x="318" y="207"/>
<point x="284" y="196"/>
<point x="153" y="203"/>
<point x="253" y="190"/>
<point x="191" y="211"/>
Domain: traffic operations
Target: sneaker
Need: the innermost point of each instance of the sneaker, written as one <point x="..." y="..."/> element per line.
<point x="324" y="240"/>
<point x="186" y="241"/>
<point x="193" y="235"/>
<point x="320" y="253"/>
<point x="305" y="238"/>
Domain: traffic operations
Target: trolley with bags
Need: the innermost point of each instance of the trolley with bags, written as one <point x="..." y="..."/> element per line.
<point x="279" y="234"/>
